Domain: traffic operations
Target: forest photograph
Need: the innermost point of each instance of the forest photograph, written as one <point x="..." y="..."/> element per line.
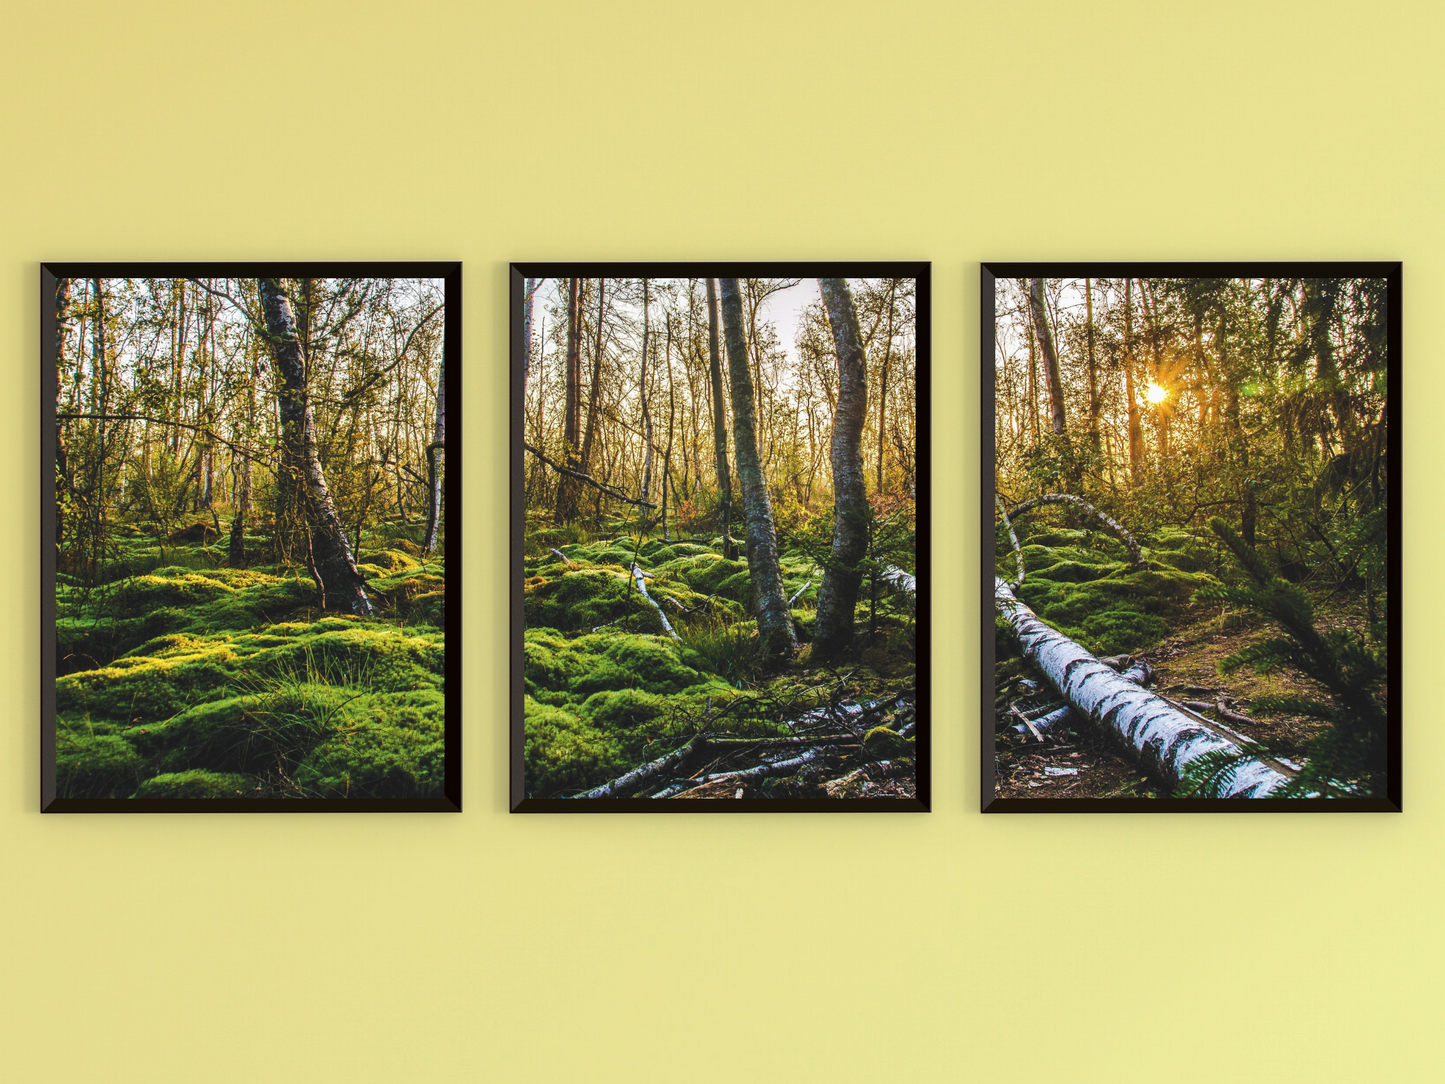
<point x="719" y="536"/>
<point x="1193" y="543"/>
<point x="246" y="505"/>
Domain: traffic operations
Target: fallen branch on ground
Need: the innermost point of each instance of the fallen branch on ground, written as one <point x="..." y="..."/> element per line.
<point x="1012" y="537"/>
<point x="1136" y="554"/>
<point x="637" y="576"/>
<point x="630" y="783"/>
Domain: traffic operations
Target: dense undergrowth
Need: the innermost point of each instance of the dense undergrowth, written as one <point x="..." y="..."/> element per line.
<point x="183" y="678"/>
<point x="608" y="689"/>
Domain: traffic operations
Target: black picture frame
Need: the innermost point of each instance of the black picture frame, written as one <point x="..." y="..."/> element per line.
<point x="921" y="271"/>
<point x="451" y="273"/>
<point x="992" y="271"/>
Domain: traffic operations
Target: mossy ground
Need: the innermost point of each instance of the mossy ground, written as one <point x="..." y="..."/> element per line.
<point x="607" y="689"/>
<point x="180" y="677"/>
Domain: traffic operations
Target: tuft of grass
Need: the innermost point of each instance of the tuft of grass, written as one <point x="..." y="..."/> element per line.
<point x="730" y="649"/>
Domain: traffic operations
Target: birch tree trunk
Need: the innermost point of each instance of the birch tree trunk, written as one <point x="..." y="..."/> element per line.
<point x="567" y="488"/>
<point x="671" y="418"/>
<point x="332" y="565"/>
<point x="436" y="455"/>
<point x="1051" y="358"/>
<point x="646" y="414"/>
<point x="720" y="429"/>
<point x="529" y="288"/>
<point x="838" y="595"/>
<point x="62" y="466"/>
<point x="593" y="388"/>
<point x="1165" y="740"/>
<point x="775" y="624"/>
<point x="883" y="387"/>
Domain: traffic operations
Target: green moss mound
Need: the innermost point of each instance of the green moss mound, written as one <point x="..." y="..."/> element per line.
<point x="595" y="703"/>
<point x="196" y="784"/>
<point x="182" y="682"/>
<point x="1081" y="583"/>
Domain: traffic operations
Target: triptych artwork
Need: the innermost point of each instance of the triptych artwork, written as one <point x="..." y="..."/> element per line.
<point x="722" y="544"/>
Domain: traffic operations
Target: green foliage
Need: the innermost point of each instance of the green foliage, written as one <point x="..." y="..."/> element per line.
<point x="1348" y="757"/>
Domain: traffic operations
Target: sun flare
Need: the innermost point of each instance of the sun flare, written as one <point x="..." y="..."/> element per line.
<point x="1154" y="393"/>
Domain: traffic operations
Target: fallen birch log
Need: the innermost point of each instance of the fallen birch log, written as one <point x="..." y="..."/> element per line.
<point x="560" y="555"/>
<point x="630" y="783"/>
<point x="1165" y="739"/>
<point x="800" y="593"/>
<point x="638" y="577"/>
<point x="1138" y="674"/>
<point x="1136" y="554"/>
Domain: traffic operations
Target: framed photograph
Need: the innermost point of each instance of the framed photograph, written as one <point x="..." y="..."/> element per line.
<point x="1191" y="560"/>
<point x="720" y="509"/>
<point x="248" y="495"/>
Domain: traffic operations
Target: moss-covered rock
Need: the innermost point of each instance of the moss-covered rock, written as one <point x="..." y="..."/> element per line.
<point x="884" y="743"/>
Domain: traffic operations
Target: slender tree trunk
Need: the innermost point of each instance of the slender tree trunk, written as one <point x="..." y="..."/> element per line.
<point x="1093" y="371"/>
<point x="596" y="383"/>
<point x="330" y="560"/>
<point x="100" y="378"/>
<point x="775" y="623"/>
<point x="566" y="486"/>
<point x="1033" y="381"/>
<point x="1136" y="433"/>
<point x="237" y="554"/>
<point x="203" y="410"/>
<point x="838" y="595"/>
<point x="1237" y="439"/>
<point x="720" y="429"/>
<point x="1051" y="360"/>
<point x="62" y="464"/>
<point x="671" y="418"/>
<point x="646" y="414"/>
<point x="883" y="387"/>
<point x="1320" y="295"/>
<point x="529" y="288"/>
<point x="436" y="458"/>
<point x="1161" y="408"/>
<point x="178" y="368"/>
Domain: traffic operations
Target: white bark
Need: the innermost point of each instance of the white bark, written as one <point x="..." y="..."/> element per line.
<point x="1165" y="739"/>
<point x="1136" y="555"/>
<point x="1014" y="538"/>
<point x="638" y="578"/>
<point x="632" y="782"/>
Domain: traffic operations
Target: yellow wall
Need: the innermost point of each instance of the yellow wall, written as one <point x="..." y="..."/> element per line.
<point x="948" y="946"/>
